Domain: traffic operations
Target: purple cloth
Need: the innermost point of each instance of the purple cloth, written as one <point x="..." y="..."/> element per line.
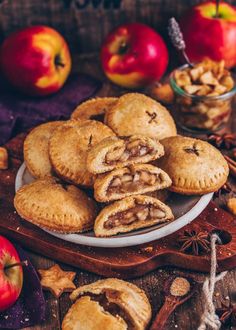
<point x="29" y="309"/>
<point x="19" y="112"/>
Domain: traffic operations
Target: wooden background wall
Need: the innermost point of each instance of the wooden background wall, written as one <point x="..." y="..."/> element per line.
<point x="84" y="23"/>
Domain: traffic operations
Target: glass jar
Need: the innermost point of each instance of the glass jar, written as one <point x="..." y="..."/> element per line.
<point x="204" y="114"/>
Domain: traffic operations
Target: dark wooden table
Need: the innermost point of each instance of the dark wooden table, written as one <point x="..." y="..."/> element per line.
<point x="187" y="316"/>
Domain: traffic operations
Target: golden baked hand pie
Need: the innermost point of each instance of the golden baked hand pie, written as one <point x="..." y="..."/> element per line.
<point x="55" y="206"/>
<point x="133" y="180"/>
<point x="117" y="152"/>
<point x="194" y="166"/>
<point x="93" y="108"/>
<point x="88" y="314"/>
<point x="36" y="149"/>
<point x="131" y="213"/>
<point x="117" y="299"/>
<point x="136" y="113"/>
<point x="69" y="146"/>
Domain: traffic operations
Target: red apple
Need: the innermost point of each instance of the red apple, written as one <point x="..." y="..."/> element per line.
<point x="36" y="60"/>
<point x="209" y="36"/>
<point x="134" y="55"/>
<point x="11" y="278"/>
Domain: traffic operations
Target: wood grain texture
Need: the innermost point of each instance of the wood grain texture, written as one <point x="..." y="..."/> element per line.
<point x="85" y="23"/>
<point x="187" y="316"/>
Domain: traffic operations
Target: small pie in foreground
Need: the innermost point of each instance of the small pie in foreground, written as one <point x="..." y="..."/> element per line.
<point x="69" y="146"/>
<point x="116" y="152"/>
<point x="108" y="304"/>
<point x="132" y="180"/>
<point x="55" y="206"/>
<point x="136" y="113"/>
<point x="93" y="108"/>
<point x="131" y="213"/>
<point x="36" y="147"/>
<point x="194" y="166"/>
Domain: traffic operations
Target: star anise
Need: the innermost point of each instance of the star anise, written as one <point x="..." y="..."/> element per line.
<point x="224" y="141"/>
<point x="194" y="242"/>
<point x="227" y="315"/>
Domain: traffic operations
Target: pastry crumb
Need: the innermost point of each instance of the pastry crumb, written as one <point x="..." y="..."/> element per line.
<point x="231" y="205"/>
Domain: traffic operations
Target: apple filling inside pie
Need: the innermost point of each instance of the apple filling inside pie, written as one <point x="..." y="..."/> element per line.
<point x="131" y="150"/>
<point x="140" y="213"/>
<point x="132" y="182"/>
<point x="107" y="300"/>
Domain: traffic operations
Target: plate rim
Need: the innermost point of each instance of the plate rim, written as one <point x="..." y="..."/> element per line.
<point x="117" y="241"/>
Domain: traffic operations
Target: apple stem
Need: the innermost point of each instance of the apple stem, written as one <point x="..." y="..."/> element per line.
<point x="217" y="8"/>
<point x="58" y="61"/>
<point x="22" y="263"/>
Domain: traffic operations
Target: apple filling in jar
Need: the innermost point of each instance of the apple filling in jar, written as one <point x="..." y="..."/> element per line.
<point x="203" y="95"/>
<point x="140" y="212"/>
<point x="130" y="183"/>
<point x="131" y="150"/>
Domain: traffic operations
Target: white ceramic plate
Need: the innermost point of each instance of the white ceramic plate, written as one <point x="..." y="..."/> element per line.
<point x="185" y="209"/>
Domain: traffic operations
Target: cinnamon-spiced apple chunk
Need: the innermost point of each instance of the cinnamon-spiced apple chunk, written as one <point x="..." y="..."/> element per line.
<point x="116" y="152"/>
<point x="127" y="181"/>
<point x="131" y="213"/>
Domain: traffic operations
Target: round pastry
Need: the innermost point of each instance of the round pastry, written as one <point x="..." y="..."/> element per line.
<point x="136" y="113"/>
<point x="131" y="180"/>
<point x="88" y="314"/>
<point x="93" y="108"/>
<point x="69" y="146"/>
<point x="131" y="213"/>
<point x="194" y="166"/>
<point x="116" y="304"/>
<point x="36" y="154"/>
<point x="56" y="206"/>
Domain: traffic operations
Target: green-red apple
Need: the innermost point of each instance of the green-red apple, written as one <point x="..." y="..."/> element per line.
<point x="11" y="277"/>
<point x="209" y="36"/>
<point x="134" y="55"/>
<point x="36" y="60"/>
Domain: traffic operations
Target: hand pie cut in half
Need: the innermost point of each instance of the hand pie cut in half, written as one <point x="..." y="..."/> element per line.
<point x="69" y="146"/>
<point x="108" y="304"/>
<point x="194" y="166"/>
<point x="56" y="206"/>
<point x="133" y="180"/>
<point x="136" y="113"/>
<point x="131" y="213"/>
<point x="94" y="108"/>
<point x="115" y="152"/>
<point x="36" y="147"/>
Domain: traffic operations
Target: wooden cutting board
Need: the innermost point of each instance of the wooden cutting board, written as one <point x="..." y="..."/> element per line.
<point x="119" y="262"/>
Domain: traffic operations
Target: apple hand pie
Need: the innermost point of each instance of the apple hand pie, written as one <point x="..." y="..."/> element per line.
<point x="127" y="181"/>
<point x="116" y="152"/>
<point x="135" y="113"/>
<point x="108" y="304"/>
<point x="194" y="166"/>
<point x="56" y="206"/>
<point x="69" y="146"/>
<point x="93" y="108"/>
<point x="36" y="145"/>
<point x="131" y="213"/>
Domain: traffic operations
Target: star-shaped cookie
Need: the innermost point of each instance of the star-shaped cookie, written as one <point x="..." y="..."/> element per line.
<point x="56" y="280"/>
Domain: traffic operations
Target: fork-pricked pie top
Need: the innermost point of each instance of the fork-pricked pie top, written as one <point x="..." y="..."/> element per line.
<point x="69" y="146"/>
<point x="55" y="206"/>
<point x="194" y="166"/>
<point x="136" y="113"/>
<point x="36" y="147"/>
<point x="93" y="108"/>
